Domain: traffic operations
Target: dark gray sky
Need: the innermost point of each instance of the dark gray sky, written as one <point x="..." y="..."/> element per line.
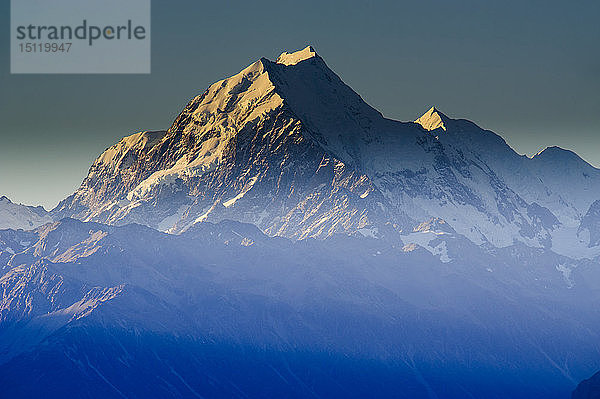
<point x="528" y="70"/>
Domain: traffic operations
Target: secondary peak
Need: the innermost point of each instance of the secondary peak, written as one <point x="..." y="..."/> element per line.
<point x="432" y="119"/>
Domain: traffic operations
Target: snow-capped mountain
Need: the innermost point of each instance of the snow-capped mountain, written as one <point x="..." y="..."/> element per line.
<point x="18" y="216"/>
<point x="289" y="147"/>
<point x="539" y="200"/>
<point x="236" y="152"/>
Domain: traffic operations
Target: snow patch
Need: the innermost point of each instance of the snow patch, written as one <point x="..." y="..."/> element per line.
<point x="566" y="272"/>
<point x="246" y="188"/>
<point x="169" y="221"/>
<point x="424" y="239"/>
<point x="372" y="232"/>
<point x="566" y="242"/>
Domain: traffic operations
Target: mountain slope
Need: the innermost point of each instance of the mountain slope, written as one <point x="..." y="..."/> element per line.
<point x="214" y="310"/>
<point x="588" y="389"/>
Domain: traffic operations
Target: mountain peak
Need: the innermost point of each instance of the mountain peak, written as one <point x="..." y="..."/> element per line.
<point x="432" y="119"/>
<point x="19" y="216"/>
<point x="553" y="151"/>
<point x="293" y="58"/>
<point x="559" y="155"/>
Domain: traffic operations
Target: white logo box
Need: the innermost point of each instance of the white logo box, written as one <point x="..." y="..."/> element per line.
<point x="80" y="36"/>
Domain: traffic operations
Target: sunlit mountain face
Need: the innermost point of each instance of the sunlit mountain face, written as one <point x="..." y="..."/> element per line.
<point x="284" y="239"/>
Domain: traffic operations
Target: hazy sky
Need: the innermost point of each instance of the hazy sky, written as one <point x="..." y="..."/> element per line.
<point x="528" y="70"/>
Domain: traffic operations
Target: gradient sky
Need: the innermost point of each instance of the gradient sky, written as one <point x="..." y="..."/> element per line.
<point x="528" y="70"/>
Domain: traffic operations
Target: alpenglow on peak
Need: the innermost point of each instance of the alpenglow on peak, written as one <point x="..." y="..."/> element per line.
<point x="293" y="58"/>
<point x="432" y="119"/>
